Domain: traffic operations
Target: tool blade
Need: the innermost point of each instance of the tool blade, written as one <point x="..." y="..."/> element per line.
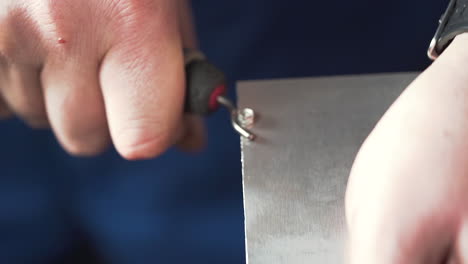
<point x="295" y="173"/>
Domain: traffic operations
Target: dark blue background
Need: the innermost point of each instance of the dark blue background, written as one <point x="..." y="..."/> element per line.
<point x="184" y="208"/>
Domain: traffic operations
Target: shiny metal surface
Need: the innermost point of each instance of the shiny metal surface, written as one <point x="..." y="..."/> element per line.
<point x="295" y="173"/>
<point x="239" y="120"/>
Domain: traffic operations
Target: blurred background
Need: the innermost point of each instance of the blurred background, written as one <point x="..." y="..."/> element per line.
<point x="187" y="208"/>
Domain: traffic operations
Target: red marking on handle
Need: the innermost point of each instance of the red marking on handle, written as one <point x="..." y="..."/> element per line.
<point x="220" y="90"/>
<point x="61" y="41"/>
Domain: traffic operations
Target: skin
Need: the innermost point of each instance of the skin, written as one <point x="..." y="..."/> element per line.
<point x="99" y="72"/>
<point x="102" y="71"/>
<point x="407" y="198"/>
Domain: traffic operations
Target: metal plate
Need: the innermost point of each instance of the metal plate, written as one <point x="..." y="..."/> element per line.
<point x="295" y="173"/>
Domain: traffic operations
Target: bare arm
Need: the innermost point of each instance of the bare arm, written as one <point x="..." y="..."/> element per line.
<point x="407" y="199"/>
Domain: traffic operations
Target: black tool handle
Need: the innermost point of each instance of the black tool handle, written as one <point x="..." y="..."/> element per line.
<point x="205" y="83"/>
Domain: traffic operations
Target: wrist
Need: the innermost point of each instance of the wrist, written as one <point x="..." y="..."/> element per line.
<point x="460" y="42"/>
<point x="456" y="55"/>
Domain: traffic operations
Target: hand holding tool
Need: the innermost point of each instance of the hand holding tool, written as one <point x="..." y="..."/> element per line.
<point x="206" y="89"/>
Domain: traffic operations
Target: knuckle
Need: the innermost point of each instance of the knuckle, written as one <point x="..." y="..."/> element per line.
<point x="82" y="148"/>
<point x="27" y="108"/>
<point x="4" y="113"/>
<point x="83" y="130"/>
<point x="142" y="140"/>
<point x="38" y="123"/>
<point x="129" y="18"/>
<point x="129" y="12"/>
<point x="84" y="141"/>
<point x="20" y="37"/>
<point x="24" y="97"/>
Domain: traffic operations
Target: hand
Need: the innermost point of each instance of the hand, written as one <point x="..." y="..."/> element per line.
<point x="407" y="198"/>
<point x="99" y="71"/>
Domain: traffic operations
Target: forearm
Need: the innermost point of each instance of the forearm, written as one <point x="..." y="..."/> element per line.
<point x="409" y="181"/>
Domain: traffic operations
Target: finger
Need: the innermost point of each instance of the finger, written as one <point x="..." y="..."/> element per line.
<point x="451" y="260"/>
<point x="75" y="105"/>
<point x="22" y="93"/>
<point x="193" y="137"/>
<point x="186" y="25"/>
<point x="461" y="245"/>
<point x="143" y="83"/>
<point x="193" y="133"/>
<point x="4" y="111"/>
